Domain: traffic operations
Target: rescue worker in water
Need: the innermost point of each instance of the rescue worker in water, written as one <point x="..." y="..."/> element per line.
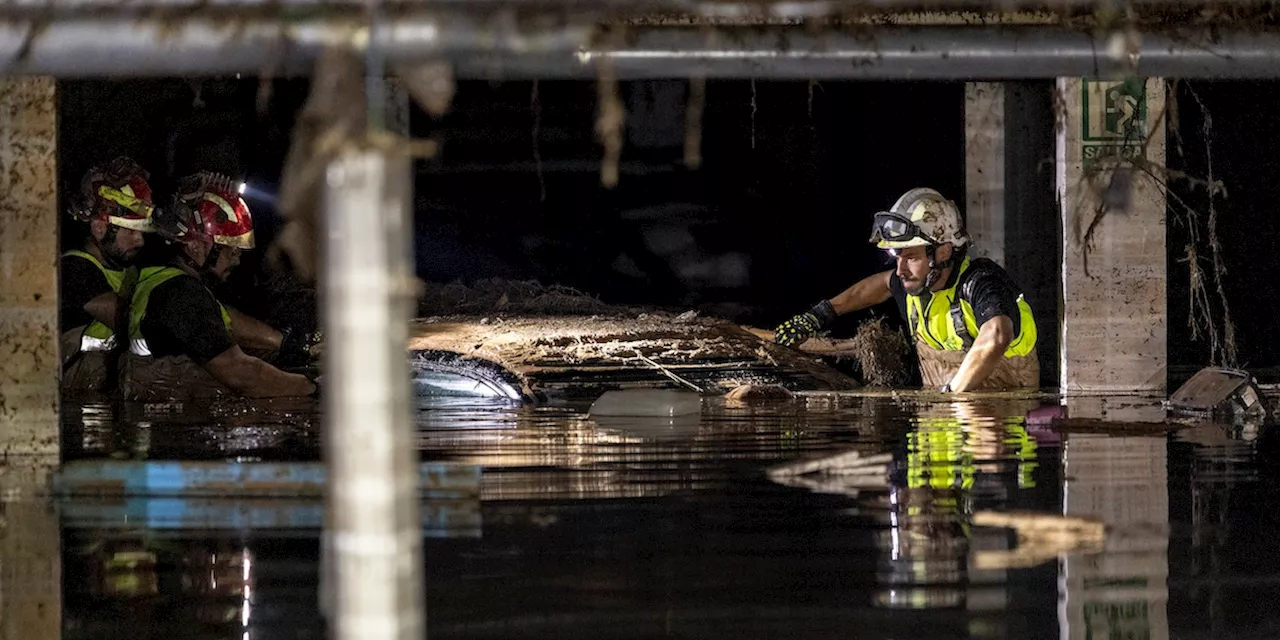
<point x="116" y="205"/>
<point x="181" y="343"/>
<point x="972" y="326"/>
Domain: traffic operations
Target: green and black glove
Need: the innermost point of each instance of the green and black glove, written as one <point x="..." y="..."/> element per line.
<point x="295" y="347"/>
<point x="804" y="326"/>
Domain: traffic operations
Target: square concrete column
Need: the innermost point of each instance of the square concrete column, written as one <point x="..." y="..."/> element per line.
<point x="28" y="266"/>
<point x="1010" y="203"/>
<point x="984" y="168"/>
<point x="1114" y="277"/>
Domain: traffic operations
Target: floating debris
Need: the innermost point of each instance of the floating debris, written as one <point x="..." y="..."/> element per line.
<point x="750" y="392"/>
<point x="842" y="474"/>
<point x="848" y="463"/>
<point x="1221" y="392"/>
<point x="663" y="403"/>
<point x="1041" y="537"/>
<point x="883" y="355"/>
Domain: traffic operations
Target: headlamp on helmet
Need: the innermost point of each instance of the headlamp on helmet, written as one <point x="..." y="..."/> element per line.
<point x="209" y="206"/>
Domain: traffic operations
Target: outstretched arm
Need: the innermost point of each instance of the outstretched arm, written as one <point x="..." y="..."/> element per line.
<point x="250" y="332"/>
<point x="255" y="378"/>
<point x="867" y="292"/>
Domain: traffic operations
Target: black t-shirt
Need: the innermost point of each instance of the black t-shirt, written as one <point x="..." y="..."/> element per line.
<point x="183" y="318"/>
<point x="985" y="285"/>
<point x="82" y="281"/>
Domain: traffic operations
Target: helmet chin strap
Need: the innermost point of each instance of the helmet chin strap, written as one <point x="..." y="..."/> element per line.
<point x="205" y="268"/>
<point x="935" y="267"/>
<point x="108" y="239"/>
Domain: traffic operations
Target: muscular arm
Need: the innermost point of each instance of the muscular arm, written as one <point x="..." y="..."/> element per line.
<point x="103" y="308"/>
<point x="252" y="333"/>
<point x="993" y="339"/>
<point x="187" y="313"/>
<point x="868" y="292"/>
<point x="254" y="378"/>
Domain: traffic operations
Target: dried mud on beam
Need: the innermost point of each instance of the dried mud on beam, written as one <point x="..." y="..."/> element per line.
<point x="581" y="356"/>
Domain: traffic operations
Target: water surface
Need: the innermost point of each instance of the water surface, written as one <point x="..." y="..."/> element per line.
<point x="632" y="528"/>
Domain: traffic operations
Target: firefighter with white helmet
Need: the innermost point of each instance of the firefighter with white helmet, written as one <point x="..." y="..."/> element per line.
<point x="115" y="204"/>
<point x="181" y="342"/>
<point x="972" y="326"/>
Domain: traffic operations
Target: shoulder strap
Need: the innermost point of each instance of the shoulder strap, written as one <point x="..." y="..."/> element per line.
<point x="123" y="306"/>
<point x="957" y="320"/>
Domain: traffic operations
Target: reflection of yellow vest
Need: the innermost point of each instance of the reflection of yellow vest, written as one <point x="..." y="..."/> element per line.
<point x="950" y="325"/>
<point x="1023" y="446"/>
<point x="940" y="457"/>
<point x="148" y="280"/>
<point x="937" y="457"/>
<point x="98" y="336"/>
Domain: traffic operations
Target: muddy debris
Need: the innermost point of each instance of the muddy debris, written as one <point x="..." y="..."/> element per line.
<point x="883" y="355"/>
<point x="758" y="392"/>
<point x="586" y="354"/>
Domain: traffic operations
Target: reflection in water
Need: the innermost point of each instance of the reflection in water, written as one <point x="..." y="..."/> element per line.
<point x="595" y="527"/>
<point x="1122" y="592"/>
<point x="957" y="451"/>
<point x="180" y="588"/>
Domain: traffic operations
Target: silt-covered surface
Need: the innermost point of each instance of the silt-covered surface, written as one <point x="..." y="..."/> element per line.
<point x="582" y="356"/>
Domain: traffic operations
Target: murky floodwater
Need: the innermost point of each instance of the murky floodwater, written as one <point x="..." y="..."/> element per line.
<point x="591" y="528"/>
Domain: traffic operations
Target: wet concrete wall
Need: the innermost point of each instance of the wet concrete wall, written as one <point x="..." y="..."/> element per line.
<point x="30" y="552"/>
<point x="1114" y="313"/>
<point x="28" y="266"/>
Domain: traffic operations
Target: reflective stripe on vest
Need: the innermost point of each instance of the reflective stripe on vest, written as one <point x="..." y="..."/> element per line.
<point x="148" y="280"/>
<point x="98" y="336"/>
<point x="949" y="323"/>
<point x="940" y="451"/>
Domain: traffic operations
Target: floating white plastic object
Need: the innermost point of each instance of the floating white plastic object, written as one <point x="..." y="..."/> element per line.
<point x="647" y="403"/>
<point x="651" y="427"/>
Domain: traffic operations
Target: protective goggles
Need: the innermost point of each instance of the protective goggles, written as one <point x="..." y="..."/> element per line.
<point x="893" y="227"/>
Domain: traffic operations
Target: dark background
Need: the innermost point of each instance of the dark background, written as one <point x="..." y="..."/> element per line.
<point x="775" y="219"/>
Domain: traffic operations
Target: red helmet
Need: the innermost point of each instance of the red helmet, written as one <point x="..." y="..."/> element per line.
<point x="208" y="205"/>
<point x="117" y="192"/>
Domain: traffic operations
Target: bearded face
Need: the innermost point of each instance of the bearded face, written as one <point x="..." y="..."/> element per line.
<point x="119" y="246"/>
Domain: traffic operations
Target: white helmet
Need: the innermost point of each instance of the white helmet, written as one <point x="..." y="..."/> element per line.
<point x="921" y="217"/>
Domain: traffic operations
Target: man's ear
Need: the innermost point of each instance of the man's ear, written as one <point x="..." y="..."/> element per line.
<point x="944" y="252"/>
<point x="99" y="229"/>
<point x="196" y="249"/>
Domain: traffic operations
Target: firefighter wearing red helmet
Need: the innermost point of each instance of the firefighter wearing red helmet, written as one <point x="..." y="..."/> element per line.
<point x="116" y="206"/>
<point x="181" y="339"/>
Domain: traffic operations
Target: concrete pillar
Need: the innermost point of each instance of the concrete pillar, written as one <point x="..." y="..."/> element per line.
<point x="1011" y="208"/>
<point x="984" y="168"/>
<point x="1122" y="592"/>
<point x="30" y="551"/>
<point x="376" y="537"/>
<point x="28" y="266"/>
<point x="1114" y="315"/>
<point x="384" y="259"/>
